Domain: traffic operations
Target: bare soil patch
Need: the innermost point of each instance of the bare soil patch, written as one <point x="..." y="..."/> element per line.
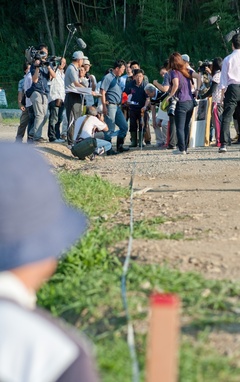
<point x="197" y="193"/>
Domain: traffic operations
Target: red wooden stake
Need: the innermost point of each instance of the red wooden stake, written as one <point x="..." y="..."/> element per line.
<point x="162" y="351"/>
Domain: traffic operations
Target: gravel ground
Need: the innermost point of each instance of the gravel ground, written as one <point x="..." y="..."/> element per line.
<point x="199" y="191"/>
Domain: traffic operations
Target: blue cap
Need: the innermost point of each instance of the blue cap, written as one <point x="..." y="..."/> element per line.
<point x="35" y="223"/>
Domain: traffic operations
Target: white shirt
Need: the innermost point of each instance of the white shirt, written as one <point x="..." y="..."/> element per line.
<point x="230" y="73"/>
<point x="26" y="86"/>
<point x="57" y="89"/>
<point x="11" y="287"/>
<point x="31" y="348"/>
<point x="89" y="127"/>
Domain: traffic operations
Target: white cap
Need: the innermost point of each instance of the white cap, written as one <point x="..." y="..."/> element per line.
<point x="78" y="55"/>
<point x="186" y="57"/>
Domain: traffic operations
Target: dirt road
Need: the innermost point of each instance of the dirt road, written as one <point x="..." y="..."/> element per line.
<point x="197" y="193"/>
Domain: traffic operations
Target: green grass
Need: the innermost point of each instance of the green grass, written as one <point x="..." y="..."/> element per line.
<point x="10" y="121"/>
<point x="86" y="290"/>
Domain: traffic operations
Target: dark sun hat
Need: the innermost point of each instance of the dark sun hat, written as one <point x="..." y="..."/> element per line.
<point x="35" y="223"/>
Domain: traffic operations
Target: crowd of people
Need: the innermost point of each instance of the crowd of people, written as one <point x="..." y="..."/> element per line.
<point x="66" y="95"/>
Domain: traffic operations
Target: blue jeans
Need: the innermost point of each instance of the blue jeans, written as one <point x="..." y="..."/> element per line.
<point x="183" y="115"/>
<point x="115" y="117"/>
<point x="102" y="143"/>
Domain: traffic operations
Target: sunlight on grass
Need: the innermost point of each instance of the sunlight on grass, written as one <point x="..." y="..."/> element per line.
<point x="86" y="291"/>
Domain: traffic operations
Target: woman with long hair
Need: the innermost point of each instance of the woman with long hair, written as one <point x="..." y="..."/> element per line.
<point x="181" y="77"/>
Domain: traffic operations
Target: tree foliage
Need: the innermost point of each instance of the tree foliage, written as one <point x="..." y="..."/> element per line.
<point x="144" y="30"/>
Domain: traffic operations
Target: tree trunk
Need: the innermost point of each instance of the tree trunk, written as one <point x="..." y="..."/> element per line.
<point x="60" y="21"/>
<point x="124" y="15"/>
<point x="114" y="7"/>
<point x="48" y="28"/>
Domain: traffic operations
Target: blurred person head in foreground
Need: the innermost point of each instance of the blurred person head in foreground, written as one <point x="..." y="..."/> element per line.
<point x="36" y="227"/>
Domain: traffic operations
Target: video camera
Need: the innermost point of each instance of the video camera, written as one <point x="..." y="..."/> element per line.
<point x="32" y="55"/>
<point x="203" y="65"/>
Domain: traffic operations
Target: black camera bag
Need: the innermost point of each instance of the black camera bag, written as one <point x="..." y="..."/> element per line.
<point x="84" y="147"/>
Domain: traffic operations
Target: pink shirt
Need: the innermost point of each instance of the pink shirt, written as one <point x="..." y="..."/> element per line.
<point x="230" y="70"/>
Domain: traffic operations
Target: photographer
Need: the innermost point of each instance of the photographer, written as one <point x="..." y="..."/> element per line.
<point x="183" y="98"/>
<point x="88" y="126"/>
<point x="56" y="103"/>
<point x="205" y="70"/>
<point x="215" y="92"/>
<point x="41" y="71"/>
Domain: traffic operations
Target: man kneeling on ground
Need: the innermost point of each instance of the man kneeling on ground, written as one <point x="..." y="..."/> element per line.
<point x="90" y="125"/>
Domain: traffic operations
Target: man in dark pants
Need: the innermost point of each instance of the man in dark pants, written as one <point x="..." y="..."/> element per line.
<point x="24" y="118"/>
<point x="138" y="104"/>
<point x="74" y="93"/>
<point x="111" y="101"/>
<point x="230" y="85"/>
<point x="56" y="103"/>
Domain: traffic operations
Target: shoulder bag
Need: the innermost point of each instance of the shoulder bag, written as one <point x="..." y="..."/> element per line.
<point x="84" y="147"/>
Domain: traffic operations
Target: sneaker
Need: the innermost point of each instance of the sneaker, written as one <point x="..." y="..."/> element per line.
<point x="63" y="136"/>
<point x="170" y="147"/>
<point x="122" y="149"/>
<point x="99" y="151"/>
<point x="163" y="147"/>
<point x="178" y="152"/>
<point x="222" y="149"/>
<point x="112" y="152"/>
<point x="58" y="141"/>
<point x="41" y="139"/>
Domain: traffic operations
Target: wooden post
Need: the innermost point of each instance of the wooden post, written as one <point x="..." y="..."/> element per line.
<point x="162" y="351"/>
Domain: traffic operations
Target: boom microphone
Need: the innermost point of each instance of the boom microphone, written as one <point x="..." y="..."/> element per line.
<point x="214" y="19"/>
<point x="230" y="35"/>
<point x="81" y="43"/>
<point x="74" y="24"/>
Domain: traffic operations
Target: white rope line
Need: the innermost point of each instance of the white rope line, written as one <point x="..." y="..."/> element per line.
<point x="130" y="330"/>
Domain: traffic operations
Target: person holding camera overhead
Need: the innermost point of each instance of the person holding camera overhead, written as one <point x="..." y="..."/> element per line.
<point x="181" y="98"/>
<point x="41" y="71"/>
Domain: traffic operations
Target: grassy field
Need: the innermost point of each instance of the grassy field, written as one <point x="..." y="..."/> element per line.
<point x="86" y="291"/>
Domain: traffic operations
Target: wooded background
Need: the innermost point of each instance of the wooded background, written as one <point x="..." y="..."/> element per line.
<point x="143" y="30"/>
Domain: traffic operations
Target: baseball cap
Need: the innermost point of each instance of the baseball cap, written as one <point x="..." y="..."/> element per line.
<point x="78" y="55"/>
<point x="186" y="57"/>
<point x="92" y="110"/>
<point x="86" y="62"/>
<point x="35" y="223"/>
